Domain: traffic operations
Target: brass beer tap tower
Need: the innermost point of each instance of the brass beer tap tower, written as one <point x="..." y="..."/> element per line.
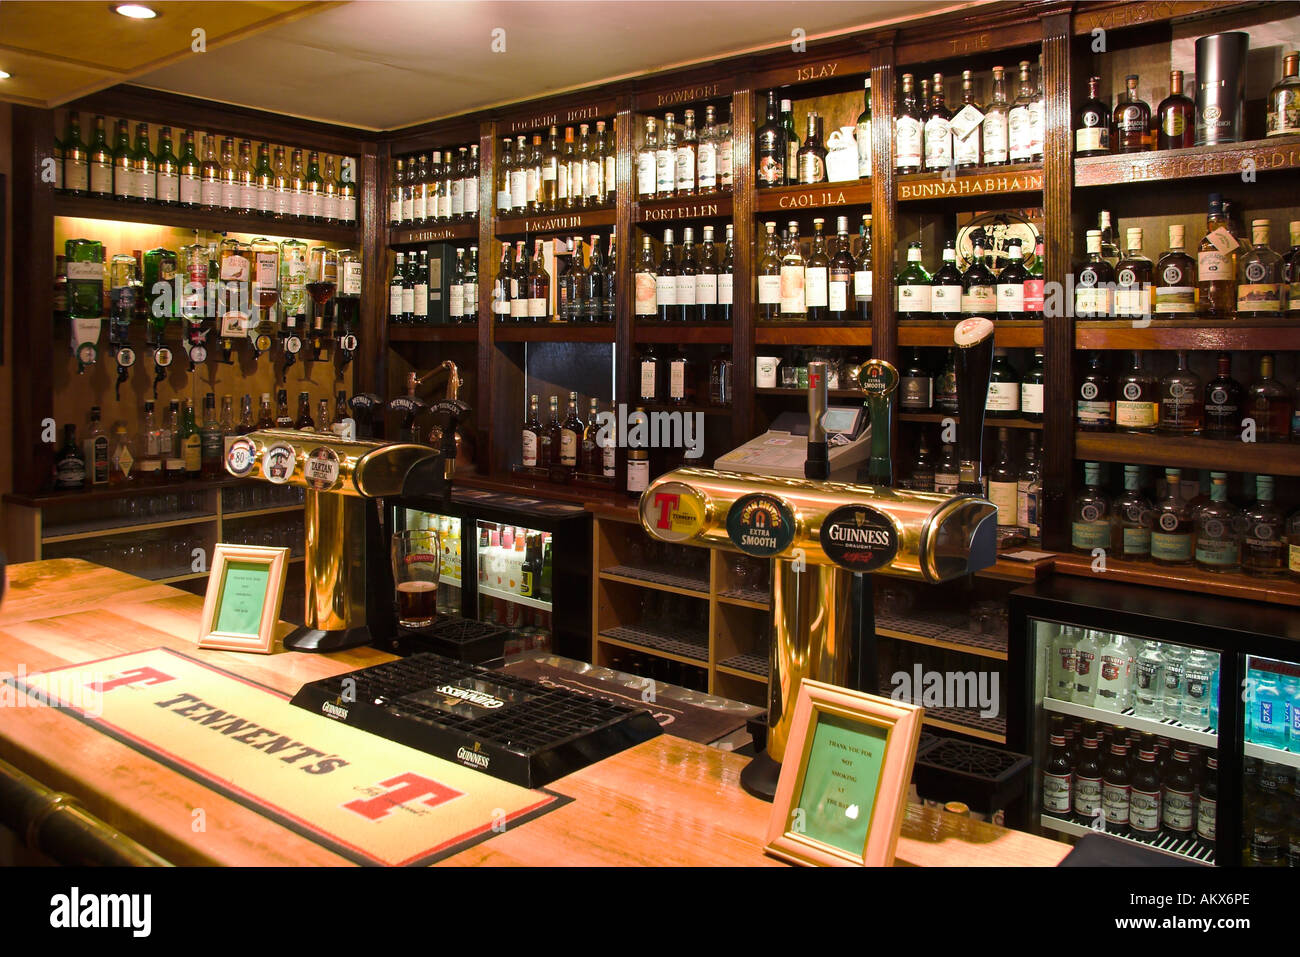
<point x="822" y="535"/>
<point x="347" y="551"/>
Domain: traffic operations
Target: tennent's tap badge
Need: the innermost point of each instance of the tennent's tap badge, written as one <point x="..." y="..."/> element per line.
<point x="675" y="511"/>
<point x="761" y="525"/>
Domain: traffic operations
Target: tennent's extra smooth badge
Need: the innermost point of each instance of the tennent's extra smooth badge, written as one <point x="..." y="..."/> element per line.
<point x="321" y="469"/>
<point x="278" y="462"/>
<point x="760" y="524"/>
<point x="859" y="538"/>
<point x="676" y="512"/>
<point x="240" y="457"/>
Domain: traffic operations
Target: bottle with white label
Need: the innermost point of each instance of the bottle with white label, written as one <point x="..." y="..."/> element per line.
<point x="666" y="282"/>
<point x="945" y="287"/>
<point x="646" y="282"/>
<point x="1114" y="674"/>
<point x="793" y="301"/>
<point x="1063" y="656"/>
<point x="679" y="375"/>
<point x="994" y="127"/>
<point x="638" y="458"/>
<point x="1174" y="692"/>
<point x="938" y="132"/>
<point x="839" y="289"/>
<point x="706" y="279"/>
<point x="1004" y="388"/>
<point x="646" y="162"/>
<point x="1032" y="389"/>
<point x="648" y="375"/>
<point x="908" y="131"/>
<point x="913" y="285"/>
<point x="965" y="126"/>
<point x="1010" y="286"/>
<point x="769" y="277"/>
<point x="1175" y="278"/>
<point x="1085" y="668"/>
<point x="687" y="270"/>
<point x="1002" y="482"/>
<point x="1261" y="277"/>
<point x="817" y="276"/>
<point x="707" y="154"/>
<point x="1020" y="122"/>
<point x="1216" y="264"/>
<point x="687" y="147"/>
<point x="726" y="273"/>
<point x="666" y="159"/>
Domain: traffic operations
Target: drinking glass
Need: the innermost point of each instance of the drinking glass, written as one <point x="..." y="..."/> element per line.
<point x="416" y="556"/>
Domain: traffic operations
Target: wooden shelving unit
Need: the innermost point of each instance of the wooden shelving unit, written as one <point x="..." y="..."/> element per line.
<point x="550" y="224"/>
<point x="1230" y="159"/>
<point x="999" y="181"/>
<point x="437" y="333"/>
<point x="1219" y="335"/>
<point x="554" y="332"/>
<point x="399" y="236"/>
<point x="989" y="421"/>
<point x="812" y="334"/>
<point x="719" y="333"/>
<point x="1278" y="591"/>
<point x="826" y="197"/>
<point x="1009" y="333"/>
<point x="1190" y="452"/>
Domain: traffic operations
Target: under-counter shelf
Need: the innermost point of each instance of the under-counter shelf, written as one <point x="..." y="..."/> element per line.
<point x="689" y="647"/>
<point x="1166" y="727"/>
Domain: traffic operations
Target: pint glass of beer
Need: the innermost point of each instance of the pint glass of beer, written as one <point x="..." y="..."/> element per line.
<point x="416" y="556"/>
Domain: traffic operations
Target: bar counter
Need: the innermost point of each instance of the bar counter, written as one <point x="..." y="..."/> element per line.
<point x="665" y="802"/>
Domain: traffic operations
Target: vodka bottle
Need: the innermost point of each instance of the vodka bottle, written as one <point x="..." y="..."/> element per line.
<point x="1149" y="681"/>
<point x="1175" y="690"/>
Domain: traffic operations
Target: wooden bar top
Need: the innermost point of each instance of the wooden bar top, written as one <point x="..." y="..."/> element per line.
<point x="667" y="801"/>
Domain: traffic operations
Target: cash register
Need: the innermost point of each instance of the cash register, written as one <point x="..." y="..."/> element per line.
<point x="782" y="450"/>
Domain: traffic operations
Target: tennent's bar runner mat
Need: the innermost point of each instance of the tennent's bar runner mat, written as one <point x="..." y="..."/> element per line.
<point x="367" y="799"/>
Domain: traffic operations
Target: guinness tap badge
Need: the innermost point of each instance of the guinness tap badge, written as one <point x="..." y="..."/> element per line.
<point x="859" y="538"/>
<point x="761" y="525"/>
<point x="674" y="511"/>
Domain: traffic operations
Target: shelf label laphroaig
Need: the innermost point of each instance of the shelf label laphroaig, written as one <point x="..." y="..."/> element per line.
<point x="674" y="512"/>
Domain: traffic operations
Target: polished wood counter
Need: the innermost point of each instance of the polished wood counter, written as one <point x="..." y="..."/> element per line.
<point x="667" y="801"/>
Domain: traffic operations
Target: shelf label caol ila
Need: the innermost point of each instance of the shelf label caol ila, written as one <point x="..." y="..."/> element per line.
<point x="859" y="538"/>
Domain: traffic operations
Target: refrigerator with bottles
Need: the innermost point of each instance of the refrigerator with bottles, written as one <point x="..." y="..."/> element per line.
<point x="1170" y="719"/>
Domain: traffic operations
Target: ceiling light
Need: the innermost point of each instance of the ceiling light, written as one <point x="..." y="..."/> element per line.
<point x="3" y="75"/>
<point x="135" y="11"/>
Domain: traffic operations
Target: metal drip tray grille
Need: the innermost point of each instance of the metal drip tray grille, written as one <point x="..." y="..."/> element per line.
<point x="661" y="576"/>
<point x="686" y="642"/>
<point x="462" y="631"/>
<point x="949" y="631"/>
<point x="455" y="637"/>
<point x="753" y="664"/>
<point x="506" y="726"/>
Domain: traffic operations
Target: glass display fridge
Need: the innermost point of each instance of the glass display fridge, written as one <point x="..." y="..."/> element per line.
<point x="1171" y="719"/>
<point x="510" y="562"/>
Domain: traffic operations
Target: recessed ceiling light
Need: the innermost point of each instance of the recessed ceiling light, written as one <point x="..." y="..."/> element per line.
<point x="135" y="11"/>
<point x="3" y="75"/>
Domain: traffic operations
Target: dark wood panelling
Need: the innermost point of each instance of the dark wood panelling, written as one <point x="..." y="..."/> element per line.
<point x="489" y="256"/>
<point x="884" y="204"/>
<point x="371" y="374"/>
<point x="744" y="292"/>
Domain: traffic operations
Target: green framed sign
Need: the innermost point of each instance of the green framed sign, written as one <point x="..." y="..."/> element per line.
<point x="242" y="605"/>
<point x="842" y="793"/>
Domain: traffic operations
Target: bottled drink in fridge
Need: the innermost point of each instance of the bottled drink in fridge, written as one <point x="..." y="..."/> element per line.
<point x="1267" y="719"/>
<point x="1198" y="670"/>
<point x="1148" y="685"/>
<point x="1175" y="659"/>
<point x="1178" y="816"/>
<point x="1116" y="789"/>
<point x="1114" y="674"/>
<point x="1085" y="668"/>
<point x="1145" y="794"/>
<point x="1087" y="776"/>
<point x="1063" y="655"/>
<point x="1058" y="776"/>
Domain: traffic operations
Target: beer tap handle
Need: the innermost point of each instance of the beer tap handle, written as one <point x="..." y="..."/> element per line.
<point x="818" y="464"/>
<point x="974" y="341"/>
<point x="879" y="380"/>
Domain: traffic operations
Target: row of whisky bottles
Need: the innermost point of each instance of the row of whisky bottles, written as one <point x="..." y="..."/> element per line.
<point x="1133" y="127"/>
<point x="177" y="446"/>
<point x="575" y="173"/>
<point x="1181" y="402"/>
<point x="440" y="186"/>
<point x="1232" y="274"/>
<point x="418" y="296"/>
<point x="1183" y="526"/>
<point x="231" y="181"/>
<point x="568" y="444"/>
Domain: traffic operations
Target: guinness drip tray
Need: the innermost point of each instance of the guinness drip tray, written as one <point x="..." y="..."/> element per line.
<point x="505" y="726"/>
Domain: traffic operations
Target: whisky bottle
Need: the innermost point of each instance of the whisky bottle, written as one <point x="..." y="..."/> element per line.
<point x="863" y="271"/>
<point x="1284" y="99"/>
<point x="666" y="282"/>
<point x="1003" y="488"/>
<point x="1260" y="280"/>
<point x="817" y="275"/>
<point x="938" y="131"/>
<point x="646" y="280"/>
<point x="915" y="385"/>
<point x="769" y="277"/>
<point x="1109" y="249"/>
<point x="908" y="131"/>
<point x="771" y="151"/>
<point x="666" y="159"/>
<point x="1175" y="278"/>
<point x="571" y="432"/>
<point x="552" y="440"/>
<point x="687" y="270"/>
<point x="396" y="307"/>
<point x="1132" y="120"/>
<point x="1216" y="264"/>
<point x="124" y="165"/>
<point x="1090" y="525"/>
<point x="922" y="476"/>
<point x="947" y="471"/>
<point x="811" y="158"/>
<point x="1133" y="279"/>
<point x="1291" y="272"/>
<point x="1175" y="117"/>
<point x="979" y="296"/>
<point x="1133" y="515"/>
<point x="726" y="275"/>
<point x="1028" y="489"/>
<point x="966" y="152"/>
<point x="517" y="174"/>
<point x="862" y="133"/>
<point x="946" y="287"/>
<point x="1182" y="402"/>
<point x="687" y="150"/>
<point x="793" y="301"/>
<point x="1268" y="404"/>
<point x="839" y="290"/>
<point x="168" y="169"/>
<point x="1218" y="544"/>
<point x="100" y="158"/>
<point x="69" y="463"/>
<point x="1019" y="119"/>
<point x="638" y="462"/>
<point x="590" y="457"/>
<point x="1223" y="402"/>
<point x="1004" y="388"/>
<point x="791" y="140"/>
<point x="913" y="285"/>
<point x="1095" y="283"/>
<point x="1262" y="551"/>
<point x="304" y="420"/>
<point x="1010" y="288"/>
<point x="706" y="158"/>
<point x="1033" y="389"/>
<point x="1171" y="531"/>
<point x="1092" y="123"/>
<point x="1095" y="402"/>
<point x="539" y="287"/>
<point x="96" y="447"/>
<point x="648" y="375"/>
<point x="1136" y="406"/>
<point x="247" y="192"/>
<point x="994" y="129"/>
<point x="282" y="189"/>
<point x="282" y="418"/>
<point x="679" y="376"/>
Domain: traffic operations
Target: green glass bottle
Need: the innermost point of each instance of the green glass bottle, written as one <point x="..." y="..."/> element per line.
<point x="315" y="189"/>
<point x="76" y="162"/>
<point x="123" y="165"/>
<point x="146" y="166"/>
<point x="191" y="172"/>
<point x="168" y="169"/>
<point x="85" y="259"/>
<point x="160" y="290"/>
<point x="101" y="162"/>
<point x="191" y="442"/>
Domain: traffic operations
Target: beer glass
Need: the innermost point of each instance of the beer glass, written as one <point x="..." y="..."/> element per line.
<point x="416" y="557"/>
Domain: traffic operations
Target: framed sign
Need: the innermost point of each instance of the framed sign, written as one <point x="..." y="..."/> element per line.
<point x="242" y="605"/>
<point x="842" y="793"/>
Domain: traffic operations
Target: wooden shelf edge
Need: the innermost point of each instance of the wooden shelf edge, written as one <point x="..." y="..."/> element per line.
<point x="207" y="220"/>
<point x="651" y="650"/>
<point x="966" y="729"/>
<point x="940" y="643"/>
<point x="1194" y="162"/>
<point x="434" y="333"/>
<point x="1188" y="452"/>
<point x="1273" y="591"/>
<point x="655" y="586"/>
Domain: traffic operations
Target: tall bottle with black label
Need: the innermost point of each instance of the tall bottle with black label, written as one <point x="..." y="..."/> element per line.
<point x="532" y="435"/>
<point x="916" y="385"/>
